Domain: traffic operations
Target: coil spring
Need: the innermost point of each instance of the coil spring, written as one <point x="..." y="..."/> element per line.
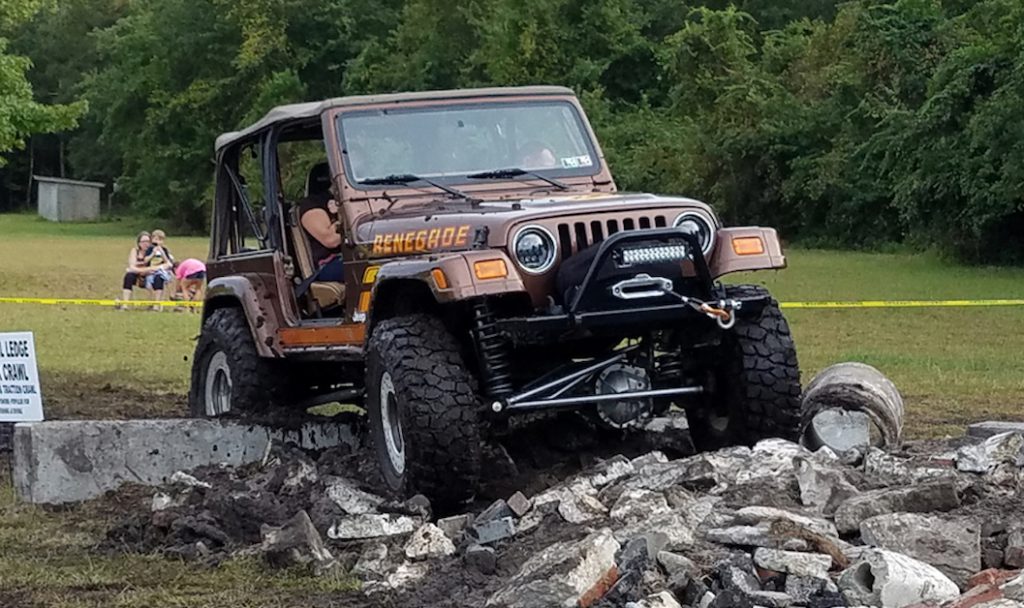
<point x="670" y="366"/>
<point x="491" y="348"/>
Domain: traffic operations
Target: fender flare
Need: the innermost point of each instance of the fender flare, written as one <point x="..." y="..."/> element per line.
<point x="243" y="291"/>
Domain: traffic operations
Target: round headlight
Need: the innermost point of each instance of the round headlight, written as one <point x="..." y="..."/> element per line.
<point x="535" y="249"/>
<point x="697" y="223"/>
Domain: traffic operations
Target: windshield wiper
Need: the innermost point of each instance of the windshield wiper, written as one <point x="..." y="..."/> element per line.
<point x="408" y="178"/>
<point x="517" y="172"/>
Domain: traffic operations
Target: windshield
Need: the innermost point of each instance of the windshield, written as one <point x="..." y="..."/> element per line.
<point x="449" y="142"/>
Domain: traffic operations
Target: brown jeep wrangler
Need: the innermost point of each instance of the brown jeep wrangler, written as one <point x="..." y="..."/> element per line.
<point x="490" y="268"/>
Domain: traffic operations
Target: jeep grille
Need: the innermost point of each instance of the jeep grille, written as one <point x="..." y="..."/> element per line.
<point x="576" y="236"/>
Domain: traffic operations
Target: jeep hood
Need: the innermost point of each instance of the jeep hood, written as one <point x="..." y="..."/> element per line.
<point x="453" y="224"/>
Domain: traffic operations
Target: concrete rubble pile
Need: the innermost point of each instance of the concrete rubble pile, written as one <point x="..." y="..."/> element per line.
<point x="936" y="524"/>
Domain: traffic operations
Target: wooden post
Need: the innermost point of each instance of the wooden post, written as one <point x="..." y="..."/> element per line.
<point x="31" y="170"/>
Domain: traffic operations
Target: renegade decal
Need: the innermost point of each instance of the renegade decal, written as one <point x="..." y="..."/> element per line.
<point x="417" y="241"/>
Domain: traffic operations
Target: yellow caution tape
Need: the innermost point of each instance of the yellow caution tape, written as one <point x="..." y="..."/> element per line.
<point x="85" y="302"/>
<point x="795" y="305"/>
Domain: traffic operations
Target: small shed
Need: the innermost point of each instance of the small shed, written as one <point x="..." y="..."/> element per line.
<point x="68" y="200"/>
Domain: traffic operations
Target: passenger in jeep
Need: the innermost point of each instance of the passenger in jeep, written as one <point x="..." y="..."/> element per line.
<point x="318" y="213"/>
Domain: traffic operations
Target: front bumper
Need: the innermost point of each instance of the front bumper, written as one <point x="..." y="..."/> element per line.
<point x="593" y="308"/>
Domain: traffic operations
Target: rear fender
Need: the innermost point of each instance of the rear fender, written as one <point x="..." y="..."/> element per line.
<point x="243" y="291"/>
<point x="725" y="258"/>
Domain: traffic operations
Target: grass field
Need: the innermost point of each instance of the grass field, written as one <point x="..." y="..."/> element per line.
<point x="953" y="366"/>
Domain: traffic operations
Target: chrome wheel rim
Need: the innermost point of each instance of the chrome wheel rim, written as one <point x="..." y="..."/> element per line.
<point x="217" y="400"/>
<point x="391" y="424"/>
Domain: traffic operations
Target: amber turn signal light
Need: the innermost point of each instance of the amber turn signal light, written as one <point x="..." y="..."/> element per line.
<point x="364" y="301"/>
<point x="490" y="269"/>
<point x="439" y="279"/>
<point x="748" y="245"/>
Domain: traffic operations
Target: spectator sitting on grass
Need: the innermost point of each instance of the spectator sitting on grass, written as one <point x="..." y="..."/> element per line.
<point x="191" y="280"/>
<point x="135" y="273"/>
<point x="159" y="260"/>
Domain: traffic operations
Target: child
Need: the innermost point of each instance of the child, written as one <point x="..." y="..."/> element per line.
<point x="159" y="259"/>
<point x="191" y="276"/>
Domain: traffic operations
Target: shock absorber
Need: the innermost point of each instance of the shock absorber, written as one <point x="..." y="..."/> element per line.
<point x="495" y="368"/>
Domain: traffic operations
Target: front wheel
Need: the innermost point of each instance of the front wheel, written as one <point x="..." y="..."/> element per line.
<point x="755" y="383"/>
<point x="423" y="410"/>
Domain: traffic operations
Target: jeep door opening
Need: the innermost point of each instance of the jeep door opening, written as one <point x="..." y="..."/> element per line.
<point x="490" y="268"/>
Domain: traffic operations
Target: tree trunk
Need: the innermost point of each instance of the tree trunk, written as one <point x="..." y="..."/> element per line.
<point x="31" y="170"/>
<point x="60" y="152"/>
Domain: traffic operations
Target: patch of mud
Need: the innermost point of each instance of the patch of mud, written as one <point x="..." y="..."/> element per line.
<point x="82" y="396"/>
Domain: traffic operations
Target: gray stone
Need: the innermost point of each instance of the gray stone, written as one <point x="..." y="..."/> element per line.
<point x="405" y="574"/>
<point x="1004" y="448"/>
<point x="493" y="531"/>
<point x="801" y="588"/>
<point x="656" y="543"/>
<point x="648" y="458"/>
<point x="496" y="510"/>
<point x="813" y="565"/>
<point x="482" y="559"/>
<point x="1014" y="589"/>
<point x="753" y="536"/>
<point x="190" y="481"/>
<point x="633" y="505"/>
<point x="952" y="547"/>
<point x="881" y="464"/>
<point x="755" y="515"/>
<point x="1013" y="554"/>
<point x="823" y="485"/>
<point x="373" y="561"/>
<point x="770" y="599"/>
<point x="670" y="523"/>
<point x="922" y="498"/>
<point x="674" y="563"/>
<point x="771" y="459"/>
<point x="610" y="470"/>
<point x="840" y="430"/>
<point x="296" y="543"/>
<point x="63" y="461"/>
<point x="356" y="527"/>
<point x="455" y="525"/>
<point x="579" y="509"/>
<point x="519" y="504"/>
<point x="993" y="427"/>
<point x="563" y="574"/>
<point x="886" y="578"/>
<point x="1001" y="603"/>
<point x="350" y="499"/>
<point x="428" y="541"/>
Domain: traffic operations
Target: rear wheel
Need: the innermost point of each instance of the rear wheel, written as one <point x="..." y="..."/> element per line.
<point x="228" y="375"/>
<point x="755" y="386"/>
<point x="423" y="410"/>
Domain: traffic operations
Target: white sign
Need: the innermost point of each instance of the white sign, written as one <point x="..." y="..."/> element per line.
<point x="20" y="398"/>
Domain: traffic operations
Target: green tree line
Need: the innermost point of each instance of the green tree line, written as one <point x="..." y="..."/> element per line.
<point x="851" y="124"/>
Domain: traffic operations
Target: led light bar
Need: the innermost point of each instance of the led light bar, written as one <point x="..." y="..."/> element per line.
<point x="654" y="255"/>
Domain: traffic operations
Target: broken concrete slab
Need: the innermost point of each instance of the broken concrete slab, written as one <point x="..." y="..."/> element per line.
<point x="890" y="579"/>
<point x="355" y="527"/>
<point x="823" y="485"/>
<point x="922" y="498"/>
<point x="296" y="543"/>
<point x="1013" y="554"/>
<point x="62" y="461"/>
<point x="492" y="531"/>
<point x="658" y="600"/>
<point x="953" y="547"/>
<point x="350" y="499"/>
<point x="753" y="536"/>
<point x="455" y="525"/>
<point x="1004" y="448"/>
<point x="428" y="541"/>
<point x="519" y="504"/>
<point x="814" y="565"/>
<point x="669" y="433"/>
<point x="373" y="561"/>
<point x="565" y="574"/>
<point x="758" y="514"/>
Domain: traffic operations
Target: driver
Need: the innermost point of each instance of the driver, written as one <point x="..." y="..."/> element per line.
<point x="535" y="155"/>
<point x="318" y="214"/>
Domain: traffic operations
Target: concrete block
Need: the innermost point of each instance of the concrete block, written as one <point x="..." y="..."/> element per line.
<point x="63" y="461"/>
<point x="993" y="427"/>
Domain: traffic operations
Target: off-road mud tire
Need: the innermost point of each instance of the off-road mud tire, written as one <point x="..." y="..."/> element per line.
<point x="254" y="380"/>
<point x="438" y="407"/>
<point x="756" y="382"/>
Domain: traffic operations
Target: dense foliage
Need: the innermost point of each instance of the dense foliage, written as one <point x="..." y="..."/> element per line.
<point x="850" y="124"/>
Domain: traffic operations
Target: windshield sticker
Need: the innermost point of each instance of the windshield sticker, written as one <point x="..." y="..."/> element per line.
<point x="575" y="162"/>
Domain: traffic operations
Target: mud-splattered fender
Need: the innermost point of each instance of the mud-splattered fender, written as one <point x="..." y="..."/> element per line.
<point x="245" y="291"/>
